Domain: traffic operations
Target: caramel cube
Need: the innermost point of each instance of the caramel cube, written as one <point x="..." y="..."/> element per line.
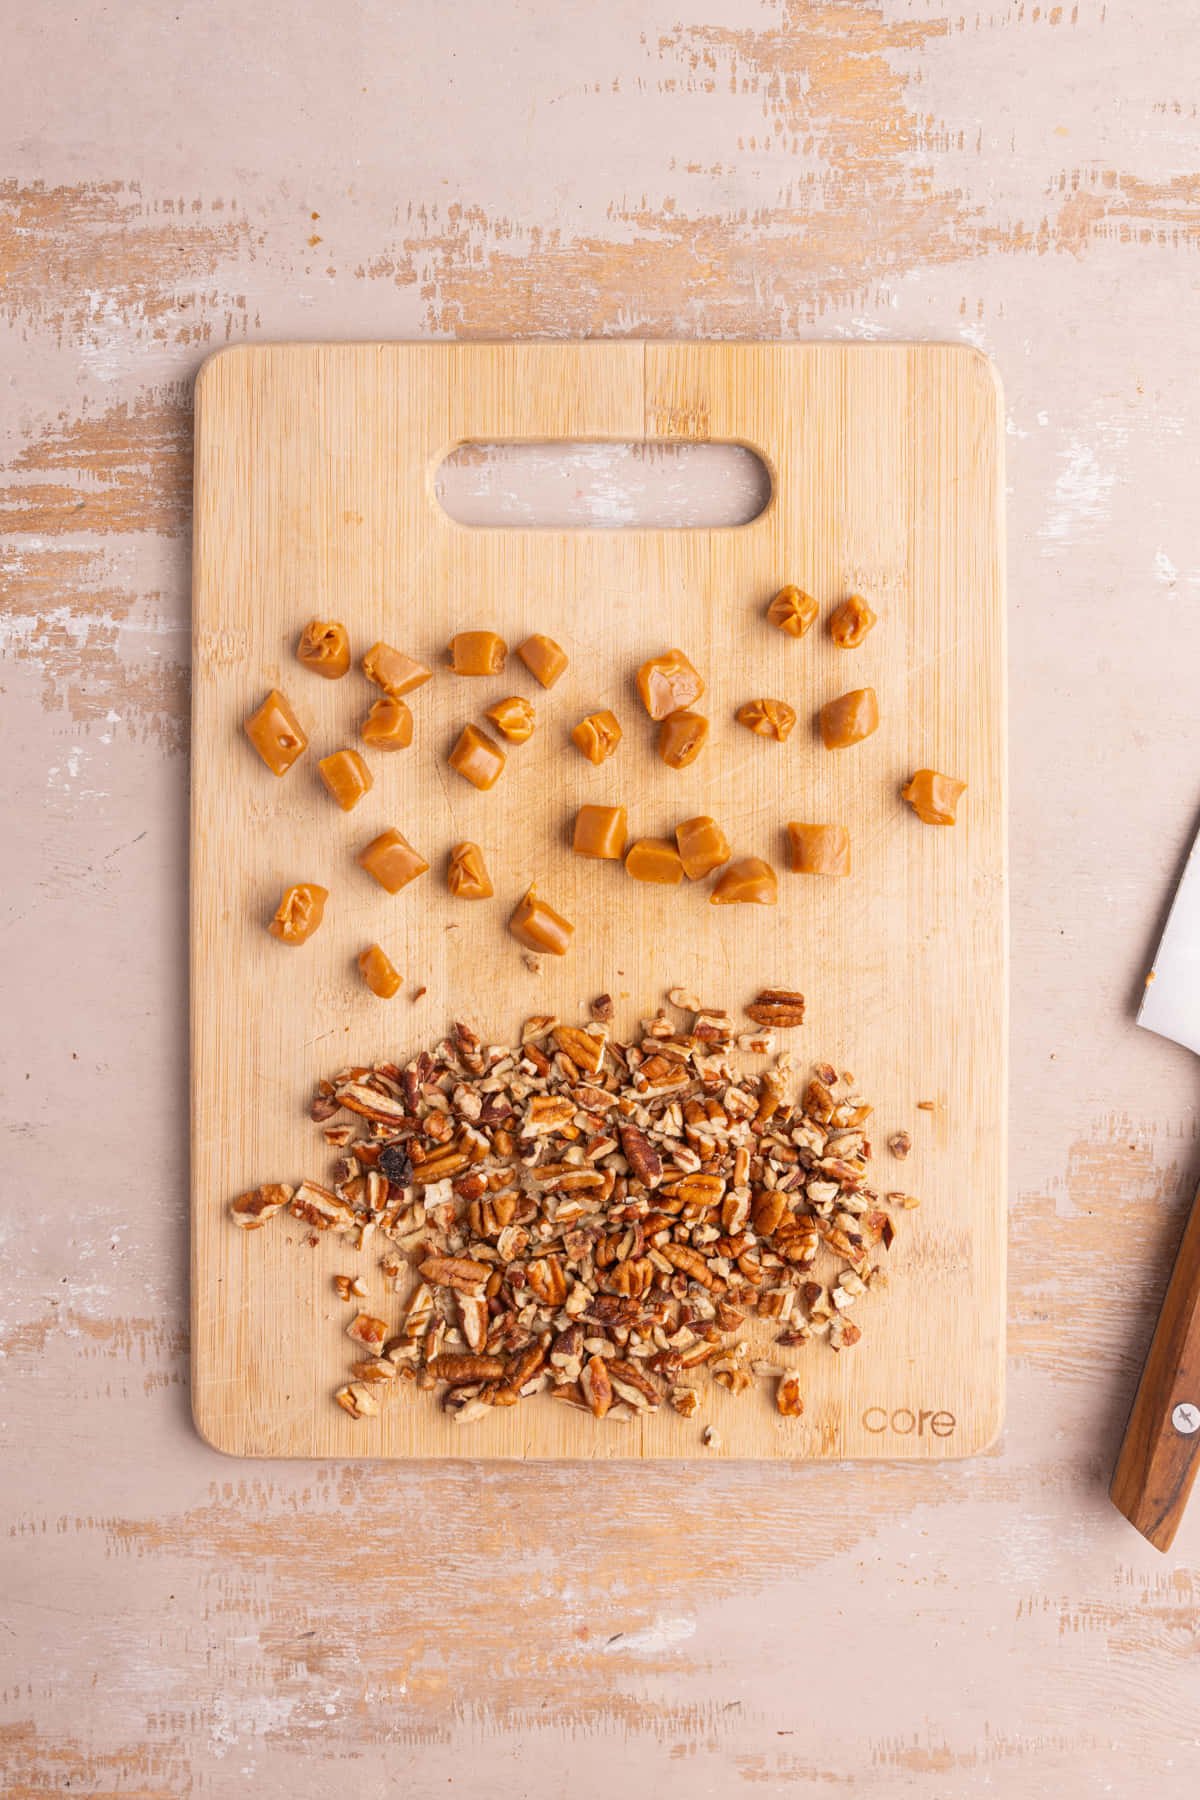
<point x="389" y="724"/>
<point x="850" y="622"/>
<point x="379" y="972"/>
<point x="668" y="683"/>
<point x="347" y="777"/>
<point x="768" y="718"/>
<point x="703" y="847"/>
<point x="933" y="797"/>
<point x="681" y="738"/>
<point x="539" y="927"/>
<point x="544" y="659"/>
<point x="299" y="913"/>
<point x="467" y="876"/>
<point x="600" y="831"/>
<point x="792" y="611"/>
<point x="394" y="672"/>
<point x="597" y="736"/>
<point x="513" y="719"/>
<point x="748" y="881"/>
<point x="476" y="758"/>
<point x="276" y="733"/>
<point x="819" y="849"/>
<point x="477" y="653"/>
<point x="849" y="719"/>
<point x="656" y="860"/>
<point x="324" y="648"/>
<point x="391" y="859"/>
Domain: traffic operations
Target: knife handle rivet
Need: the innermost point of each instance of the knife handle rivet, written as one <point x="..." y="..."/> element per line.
<point x="1186" y="1418"/>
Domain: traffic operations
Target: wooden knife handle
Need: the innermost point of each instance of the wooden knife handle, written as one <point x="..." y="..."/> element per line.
<point x="1161" y="1449"/>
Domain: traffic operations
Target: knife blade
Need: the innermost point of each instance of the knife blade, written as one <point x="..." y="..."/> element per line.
<point x="1171" y="1000"/>
<point x="1160" y="1452"/>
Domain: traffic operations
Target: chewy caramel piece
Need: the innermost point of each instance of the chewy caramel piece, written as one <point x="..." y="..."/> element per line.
<point x="681" y="738"/>
<point x="299" y="913"/>
<point x="476" y="758"/>
<point x="466" y="875"/>
<point x="792" y="611"/>
<point x="768" y="718"/>
<point x="391" y="859"/>
<point x="933" y="797"/>
<point x="656" y="860"/>
<point x="379" y="972"/>
<point x="668" y="683"/>
<point x="535" y="924"/>
<point x="513" y="718"/>
<point x="597" y="736"/>
<point x="389" y="724"/>
<point x="703" y="846"/>
<point x="276" y="733"/>
<point x="850" y="622"/>
<point x="600" y="831"/>
<point x="819" y="849"/>
<point x="544" y="659"/>
<point x="394" y="672"/>
<point x="324" y="648"/>
<point x="477" y="653"/>
<point x="849" y="719"/>
<point x="748" y="881"/>
<point x="347" y="777"/>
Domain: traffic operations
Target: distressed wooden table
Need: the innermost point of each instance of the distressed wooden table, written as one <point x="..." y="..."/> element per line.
<point x="1022" y="178"/>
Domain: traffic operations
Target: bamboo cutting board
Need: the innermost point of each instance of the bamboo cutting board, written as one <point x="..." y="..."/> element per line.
<point x="315" y="498"/>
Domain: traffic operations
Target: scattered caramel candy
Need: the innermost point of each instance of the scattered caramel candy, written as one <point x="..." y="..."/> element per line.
<point x="378" y="971"/>
<point x="850" y="622"/>
<point x="668" y="683"/>
<point x="597" y="736"/>
<point x="703" y="847"/>
<point x="600" y="831"/>
<point x="544" y="659"/>
<point x="477" y="653"/>
<point x="389" y="724"/>
<point x="391" y="859"/>
<point x="655" y="859"/>
<point x="394" y="672"/>
<point x="819" y="849"/>
<point x="749" y="880"/>
<point x="324" y="648"/>
<point x="476" y="758"/>
<point x="513" y="718"/>
<point x="276" y="733"/>
<point x="849" y="719"/>
<point x="933" y="797"/>
<point x="347" y="777"/>
<point x="467" y="876"/>
<point x="681" y="738"/>
<point x="538" y="927"/>
<point x="792" y="611"/>
<point x="768" y="718"/>
<point x="299" y="913"/>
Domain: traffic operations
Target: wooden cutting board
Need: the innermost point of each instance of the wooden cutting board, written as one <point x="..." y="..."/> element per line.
<point x="315" y="497"/>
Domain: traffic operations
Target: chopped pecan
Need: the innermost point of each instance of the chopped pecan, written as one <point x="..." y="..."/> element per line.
<point x="644" y="1161"/>
<point x="595" y="1386"/>
<point x="458" y="1272"/>
<point x="252" y="1211"/>
<point x="788" y="1398"/>
<point x="457" y="1369"/>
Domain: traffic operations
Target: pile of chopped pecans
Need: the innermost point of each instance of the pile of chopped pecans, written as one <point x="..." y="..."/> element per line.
<point x="596" y="1220"/>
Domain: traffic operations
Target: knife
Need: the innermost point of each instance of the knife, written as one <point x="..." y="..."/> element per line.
<point x="1160" y="1453"/>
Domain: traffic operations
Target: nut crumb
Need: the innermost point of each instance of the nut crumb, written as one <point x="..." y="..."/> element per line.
<point x="899" y="1144"/>
<point x="350" y="1287"/>
<point x="926" y="1105"/>
<point x="601" y="1009"/>
<point x="710" y="1437"/>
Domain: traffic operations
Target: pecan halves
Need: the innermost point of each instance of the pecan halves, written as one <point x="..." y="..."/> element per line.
<point x="458" y="1272"/>
<point x="643" y="1159"/>
<point x="780" y="1007"/>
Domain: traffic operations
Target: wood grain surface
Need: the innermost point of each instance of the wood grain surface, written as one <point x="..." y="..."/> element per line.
<point x="315" y="495"/>
<point x="1022" y="178"/>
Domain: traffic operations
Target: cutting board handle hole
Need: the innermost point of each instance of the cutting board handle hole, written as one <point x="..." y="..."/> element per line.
<point x="626" y="486"/>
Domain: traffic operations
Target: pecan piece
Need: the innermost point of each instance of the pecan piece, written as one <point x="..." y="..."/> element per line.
<point x="780" y="1007"/>
<point x="640" y="1154"/>
<point x="357" y="1399"/>
<point x="690" y="1262"/>
<point x="596" y="1387"/>
<point x="253" y="1210"/>
<point x="458" y="1272"/>
<point x="788" y="1398"/>
<point x="458" y="1369"/>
